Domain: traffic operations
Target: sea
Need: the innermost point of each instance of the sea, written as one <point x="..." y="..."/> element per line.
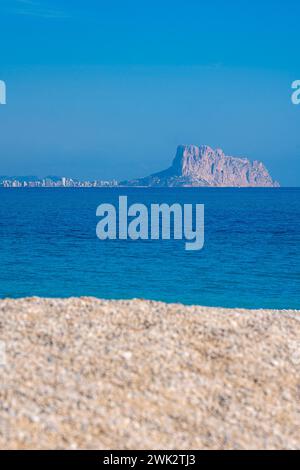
<point x="250" y="259"/>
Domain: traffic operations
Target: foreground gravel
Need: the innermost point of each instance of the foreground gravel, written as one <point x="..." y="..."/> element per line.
<point x="92" y="374"/>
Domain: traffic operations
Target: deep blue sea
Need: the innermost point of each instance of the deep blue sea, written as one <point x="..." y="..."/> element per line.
<point x="251" y="257"/>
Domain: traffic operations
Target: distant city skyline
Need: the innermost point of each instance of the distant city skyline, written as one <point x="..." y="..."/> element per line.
<point x="104" y="91"/>
<point x="53" y="182"/>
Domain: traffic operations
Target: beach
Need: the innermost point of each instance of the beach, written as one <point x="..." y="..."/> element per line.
<point x="83" y="373"/>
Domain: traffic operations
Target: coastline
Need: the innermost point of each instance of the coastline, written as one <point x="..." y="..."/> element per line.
<point x="85" y="373"/>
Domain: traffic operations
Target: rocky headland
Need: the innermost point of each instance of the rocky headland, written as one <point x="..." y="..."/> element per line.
<point x="202" y="166"/>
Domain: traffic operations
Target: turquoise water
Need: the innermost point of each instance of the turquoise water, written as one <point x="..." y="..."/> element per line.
<point x="251" y="258"/>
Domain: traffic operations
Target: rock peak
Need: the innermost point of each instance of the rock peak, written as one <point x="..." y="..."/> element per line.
<point x="200" y="165"/>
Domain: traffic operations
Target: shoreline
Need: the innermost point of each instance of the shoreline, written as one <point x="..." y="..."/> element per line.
<point x="32" y="298"/>
<point x="149" y="187"/>
<point x="86" y="373"/>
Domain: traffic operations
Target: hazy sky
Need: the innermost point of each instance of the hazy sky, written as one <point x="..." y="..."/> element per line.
<point x="109" y="88"/>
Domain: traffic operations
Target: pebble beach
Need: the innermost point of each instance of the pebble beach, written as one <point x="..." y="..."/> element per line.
<point x="83" y="373"/>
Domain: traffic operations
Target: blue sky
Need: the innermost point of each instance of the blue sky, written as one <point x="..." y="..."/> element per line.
<point x="109" y="89"/>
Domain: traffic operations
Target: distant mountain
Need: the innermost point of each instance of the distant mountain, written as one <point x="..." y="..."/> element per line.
<point x="53" y="178"/>
<point x="202" y="166"/>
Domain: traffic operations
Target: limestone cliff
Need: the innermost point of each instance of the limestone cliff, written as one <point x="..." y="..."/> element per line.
<point x="202" y="166"/>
